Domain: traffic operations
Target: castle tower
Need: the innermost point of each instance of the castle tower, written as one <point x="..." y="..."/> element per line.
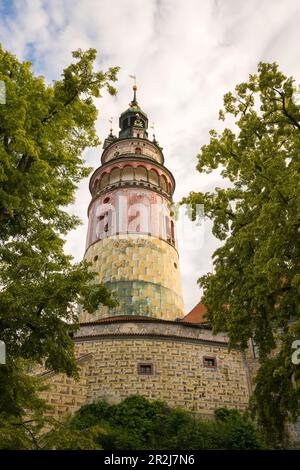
<point x="131" y="240"/>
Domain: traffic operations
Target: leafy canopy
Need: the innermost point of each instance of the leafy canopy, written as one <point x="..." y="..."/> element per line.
<point x="44" y="131"/>
<point x="134" y="424"/>
<point x="255" y="289"/>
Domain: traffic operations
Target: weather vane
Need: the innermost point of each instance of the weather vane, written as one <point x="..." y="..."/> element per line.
<point x="153" y="129"/>
<point x="133" y="78"/>
<point x="111" y="124"/>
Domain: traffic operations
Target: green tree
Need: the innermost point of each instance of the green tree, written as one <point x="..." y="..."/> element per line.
<point x="137" y="423"/>
<point x="44" y="130"/>
<point x="254" y="291"/>
<point x="235" y="431"/>
<point x="40" y="432"/>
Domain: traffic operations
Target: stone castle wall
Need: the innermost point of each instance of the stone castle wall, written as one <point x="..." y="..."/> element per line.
<point x="109" y="368"/>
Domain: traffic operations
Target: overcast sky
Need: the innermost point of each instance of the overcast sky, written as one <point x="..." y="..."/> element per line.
<point x="185" y="53"/>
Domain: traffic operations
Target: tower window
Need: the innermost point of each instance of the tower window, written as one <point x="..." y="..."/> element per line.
<point x="210" y="362"/>
<point x="106" y="200"/>
<point x="105" y="221"/>
<point x="145" y="369"/>
<point x="167" y="225"/>
<point x="172" y="232"/>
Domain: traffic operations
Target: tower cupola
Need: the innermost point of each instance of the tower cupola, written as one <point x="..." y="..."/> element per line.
<point x="134" y="120"/>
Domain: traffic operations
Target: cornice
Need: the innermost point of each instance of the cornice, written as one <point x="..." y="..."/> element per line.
<point x="137" y="158"/>
<point x="148" y="327"/>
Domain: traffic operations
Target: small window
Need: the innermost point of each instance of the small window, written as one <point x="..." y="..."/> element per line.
<point x="106" y="200"/>
<point x="167" y="225"/>
<point x="210" y="362"/>
<point x="95" y="258"/>
<point x="172" y="233"/>
<point x="145" y="369"/>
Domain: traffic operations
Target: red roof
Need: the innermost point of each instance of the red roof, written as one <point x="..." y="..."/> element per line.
<point x="196" y="315"/>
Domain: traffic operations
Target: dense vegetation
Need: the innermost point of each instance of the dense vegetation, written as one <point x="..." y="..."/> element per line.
<point x="44" y="131"/>
<point x="137" y="423"/>
<point x="254" y="291"/>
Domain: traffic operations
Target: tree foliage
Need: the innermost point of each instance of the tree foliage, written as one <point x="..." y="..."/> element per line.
<point x="43" y="433"/>
<point x="133" y="424"/>
<point x="137" y="423"/>
<point x="254" y="291"/>
<point x="44" y="131"/>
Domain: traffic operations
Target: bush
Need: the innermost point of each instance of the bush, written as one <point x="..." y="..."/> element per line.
<point x="137" y="423"/>
<point x="236" y="431"/>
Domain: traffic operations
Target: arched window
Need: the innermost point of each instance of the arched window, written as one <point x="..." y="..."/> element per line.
<point x="95" y="186"/>
<point x="127" y="173"/>
<point x="138" y="151"/>
<point x="104" y="180"/>
<point x="153" y="177"/>
<point x="141" y="173"/>
<point x="114" y="175"/>
<point x="163" y="183"/>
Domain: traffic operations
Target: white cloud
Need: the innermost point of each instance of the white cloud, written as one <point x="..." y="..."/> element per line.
<point x="186" y="55"/>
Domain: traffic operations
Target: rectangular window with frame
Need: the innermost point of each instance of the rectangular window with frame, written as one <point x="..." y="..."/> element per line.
<point x="210" y="362"/>
<point x="145" y="369"/>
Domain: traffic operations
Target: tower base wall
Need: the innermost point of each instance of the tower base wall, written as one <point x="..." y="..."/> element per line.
<point x="143" y="271"/>
<point x="111" y="353"/>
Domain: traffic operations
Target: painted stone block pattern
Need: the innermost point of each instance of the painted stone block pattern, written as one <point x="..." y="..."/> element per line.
<point x="180" y="377"/>
<point x="143" y="272"/>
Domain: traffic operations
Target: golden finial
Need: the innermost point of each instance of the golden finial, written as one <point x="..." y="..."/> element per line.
<point x="134" y="101"/>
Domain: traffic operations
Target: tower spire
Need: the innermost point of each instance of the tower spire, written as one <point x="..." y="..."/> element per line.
<point x="111" y="137"/>
<point x="134" y="121"/>
<point x="134" y="101"/>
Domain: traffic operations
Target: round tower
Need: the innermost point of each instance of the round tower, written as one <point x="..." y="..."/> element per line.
<point x="131" y="239"/>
